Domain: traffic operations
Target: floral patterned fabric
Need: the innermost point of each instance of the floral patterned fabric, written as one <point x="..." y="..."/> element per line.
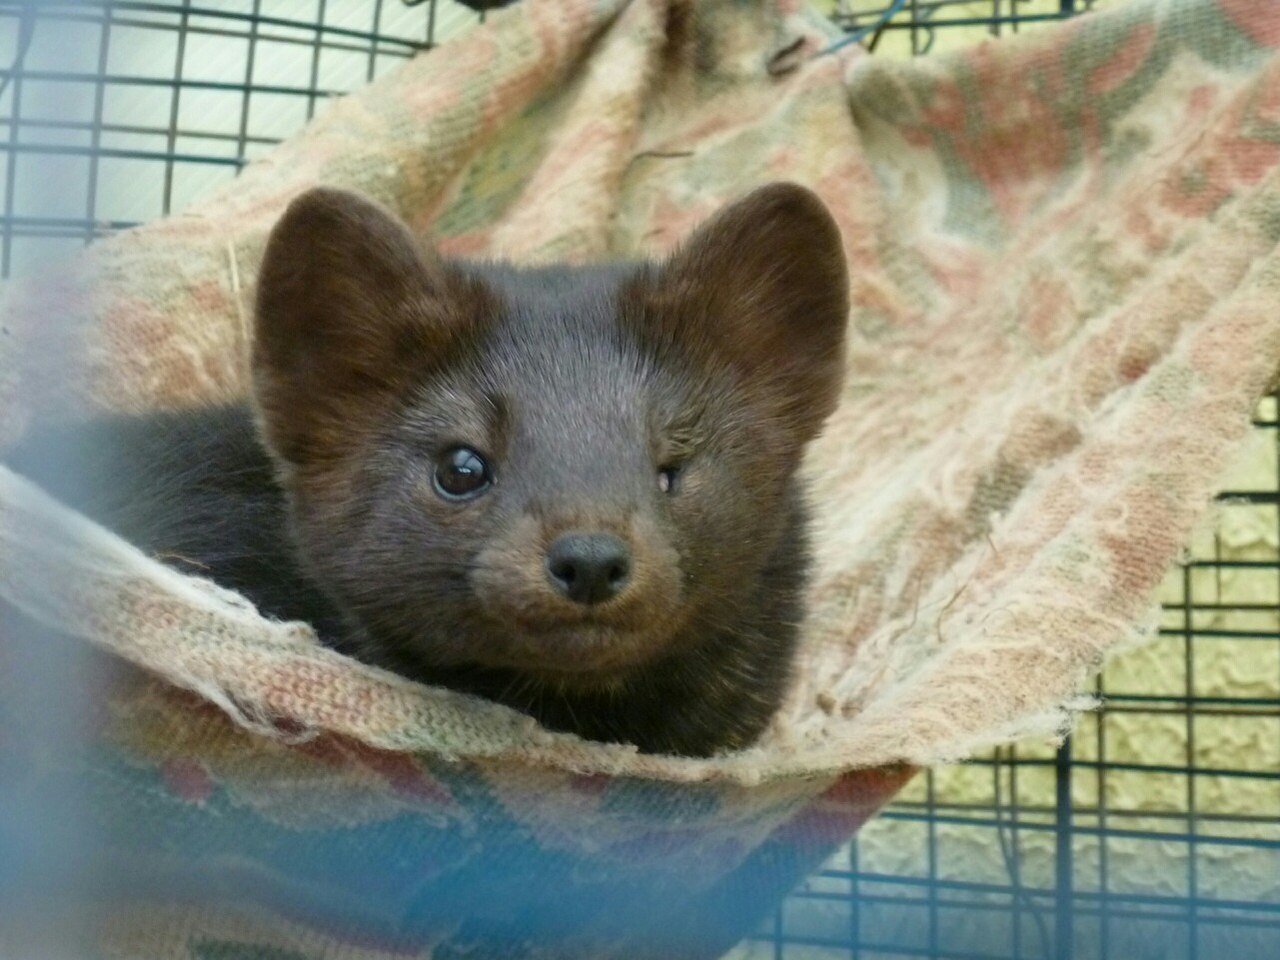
<point x="1066" y="301"/>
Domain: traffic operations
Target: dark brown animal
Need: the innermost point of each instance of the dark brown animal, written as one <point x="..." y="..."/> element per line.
<point x="570" y="490"/>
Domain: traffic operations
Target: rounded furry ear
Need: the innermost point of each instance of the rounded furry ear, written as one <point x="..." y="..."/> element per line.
<point x="350" y="307"/>
<point x="763" y="285"/>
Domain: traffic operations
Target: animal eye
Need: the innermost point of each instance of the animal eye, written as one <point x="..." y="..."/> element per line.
<point x="667" y="477"/>
<point x="462" y="474"/>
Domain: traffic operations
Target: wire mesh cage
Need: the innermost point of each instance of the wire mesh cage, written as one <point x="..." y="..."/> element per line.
<point x="916" y="27"/>
<point x="1154" y="832"/>
<point x="118" y="112"/>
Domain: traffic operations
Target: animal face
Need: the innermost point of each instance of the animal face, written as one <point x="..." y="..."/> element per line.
<point x="565" y="472"/>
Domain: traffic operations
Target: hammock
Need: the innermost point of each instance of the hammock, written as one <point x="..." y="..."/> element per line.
<point x="1067" y="300"/>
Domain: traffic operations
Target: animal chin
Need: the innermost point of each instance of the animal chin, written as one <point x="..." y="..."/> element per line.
<point x="582" y="653"/>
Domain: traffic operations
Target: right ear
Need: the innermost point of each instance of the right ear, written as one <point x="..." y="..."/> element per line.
<point x="763" y="286"/>
<point x="351" y="310"/>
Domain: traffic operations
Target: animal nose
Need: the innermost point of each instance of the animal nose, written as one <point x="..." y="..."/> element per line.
<point x="589" y="567"/>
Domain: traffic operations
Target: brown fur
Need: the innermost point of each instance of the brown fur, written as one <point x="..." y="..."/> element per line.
<point x="373" y="358"/>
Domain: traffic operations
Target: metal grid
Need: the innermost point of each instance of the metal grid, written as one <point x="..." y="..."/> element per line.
<point x="923" y="23"/>
<point x="1129" y="842"/>
<point x="1210" y="841"/>
<point x="113" y="113"/>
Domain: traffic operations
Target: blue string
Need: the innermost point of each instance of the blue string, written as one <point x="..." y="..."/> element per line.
<point x="890" y="12"/>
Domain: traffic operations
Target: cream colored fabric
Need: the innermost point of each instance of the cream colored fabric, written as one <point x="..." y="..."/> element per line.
<point x="1067" y="299"/>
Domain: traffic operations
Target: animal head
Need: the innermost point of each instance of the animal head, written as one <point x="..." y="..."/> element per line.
<point x="561" y="471"/>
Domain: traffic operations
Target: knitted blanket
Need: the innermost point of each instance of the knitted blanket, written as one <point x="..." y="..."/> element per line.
<point x="1066" y="301"/>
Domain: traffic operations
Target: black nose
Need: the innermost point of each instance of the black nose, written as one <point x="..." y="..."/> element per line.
<point x="589" y="567"/>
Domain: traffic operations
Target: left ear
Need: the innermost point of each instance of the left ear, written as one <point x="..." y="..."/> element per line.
<point x="764" y="286"/>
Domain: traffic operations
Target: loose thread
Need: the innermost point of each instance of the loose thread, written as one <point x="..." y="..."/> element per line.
<point x="241" y="316"/>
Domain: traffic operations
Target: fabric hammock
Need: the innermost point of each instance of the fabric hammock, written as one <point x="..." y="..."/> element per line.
<point x="1067" y="301"/>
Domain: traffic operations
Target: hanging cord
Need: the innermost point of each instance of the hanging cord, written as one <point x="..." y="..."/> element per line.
<point x="879" y="24"/>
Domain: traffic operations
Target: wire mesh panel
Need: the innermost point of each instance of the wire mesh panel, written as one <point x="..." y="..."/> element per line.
<point x="916" y="27"/>
<point x="113" y="113"/>
<point x="1155" y="833"/>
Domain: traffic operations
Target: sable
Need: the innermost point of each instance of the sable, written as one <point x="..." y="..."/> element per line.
<point x="570" y="490"/>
